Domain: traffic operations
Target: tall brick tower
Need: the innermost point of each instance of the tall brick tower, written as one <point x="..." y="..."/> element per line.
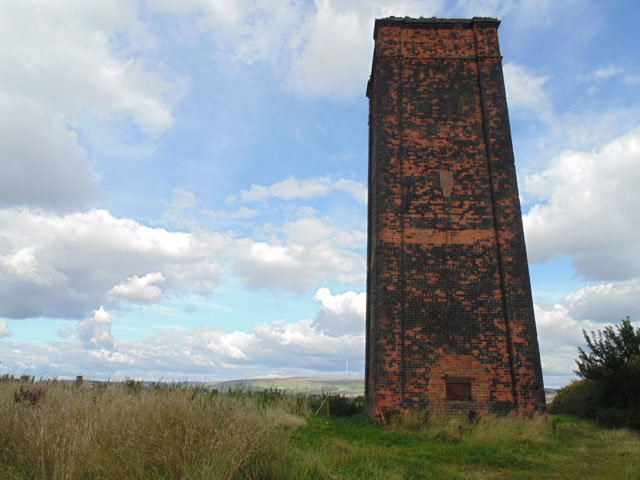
<point x="450" y="323"/>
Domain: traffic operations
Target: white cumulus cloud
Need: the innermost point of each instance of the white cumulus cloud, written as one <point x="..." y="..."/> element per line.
<point x="83" y="57"/>
<point x="64" y="67"/>
<point x="42" y="163"/>
<point x="4" y="329"/>
<point x="343" y="313"/>
<point x="560" y="326"/>
<point x="95" y="331"/>
<point x="559" y="335"/>
<point x="588" y="210"/>
<point x="525" y="91"/>
<point x="64" y="265"/>
<point x="314" y="251"/>
<point x="607" y="72"/>
<point x="292" y="188"/>
<point x="140" y="288"/>
<point x="335" y="44"/>
<point x="278" y="347"/>
<point x="606" y="302"/>
<point x="322" y="48"/>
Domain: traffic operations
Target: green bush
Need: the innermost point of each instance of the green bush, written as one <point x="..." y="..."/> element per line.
<point x="609" y="389"/>
<point x="580" y="398"/>
<point x="333" y="404"/>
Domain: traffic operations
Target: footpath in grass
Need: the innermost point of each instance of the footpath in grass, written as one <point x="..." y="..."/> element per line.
<point x="503" y="448"/>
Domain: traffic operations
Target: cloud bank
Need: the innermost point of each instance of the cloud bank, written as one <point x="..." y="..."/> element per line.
<point x="587" y="210"/>
<point x="64" y="265"/>
<point x="305" y="347"/>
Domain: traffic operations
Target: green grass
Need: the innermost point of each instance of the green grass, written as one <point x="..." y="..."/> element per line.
<point x="494" y="448"/>
<point x="162" y="432"/>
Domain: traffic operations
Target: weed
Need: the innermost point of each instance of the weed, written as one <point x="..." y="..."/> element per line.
<point x="28" y="397"/>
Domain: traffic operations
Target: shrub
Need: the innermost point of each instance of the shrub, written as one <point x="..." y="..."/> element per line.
<point x="580" y="398"/>
<point x="333" y="404"/>
<point x="609" y="389"/>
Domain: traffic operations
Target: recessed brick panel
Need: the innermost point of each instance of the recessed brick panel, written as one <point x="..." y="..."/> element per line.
<point x="448" y="292"/>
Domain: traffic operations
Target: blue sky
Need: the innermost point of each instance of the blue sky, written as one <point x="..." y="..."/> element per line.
<point x="183" y="191"/>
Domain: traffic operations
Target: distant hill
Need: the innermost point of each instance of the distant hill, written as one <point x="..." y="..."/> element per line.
<point x="549" y="393"/>
<point x="315" y="385"/>
<point x="305" y="385"/>
<point x="349" y="387"/>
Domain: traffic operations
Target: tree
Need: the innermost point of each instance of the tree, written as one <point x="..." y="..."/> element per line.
<point x="612" y="361"/>
<point x="610" y="352"/>
<point x="609" y="368"/>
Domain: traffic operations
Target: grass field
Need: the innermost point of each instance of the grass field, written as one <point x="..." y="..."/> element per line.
<point x="162" y="432"/>
<point x="505" y="448"/>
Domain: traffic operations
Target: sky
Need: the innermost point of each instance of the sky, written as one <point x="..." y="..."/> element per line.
<point x="183" y="184"/>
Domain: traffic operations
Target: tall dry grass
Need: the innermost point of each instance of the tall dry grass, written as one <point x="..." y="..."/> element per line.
<point x="482" y="430"/>
<point x="80" y="432"/>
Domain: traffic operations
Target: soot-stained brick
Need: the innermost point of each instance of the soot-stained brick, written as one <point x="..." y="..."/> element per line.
<point x="448" y="292"/>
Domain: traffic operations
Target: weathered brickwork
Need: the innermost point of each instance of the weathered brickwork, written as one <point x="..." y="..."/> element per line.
<point x="448" y="292"/>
